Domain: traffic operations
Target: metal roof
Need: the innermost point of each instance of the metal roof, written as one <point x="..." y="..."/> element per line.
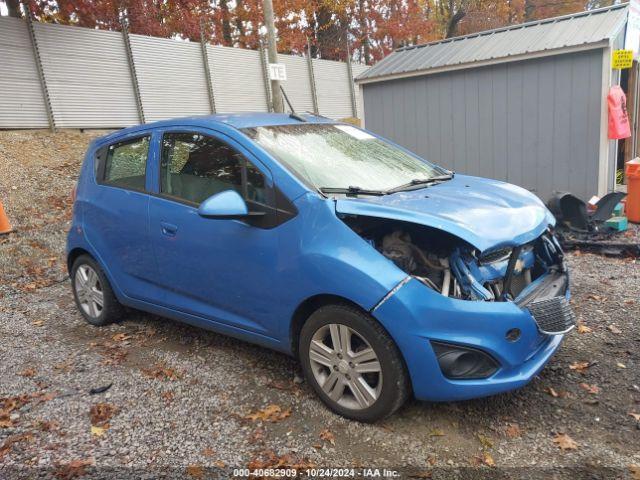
<point x="589" y="29"/>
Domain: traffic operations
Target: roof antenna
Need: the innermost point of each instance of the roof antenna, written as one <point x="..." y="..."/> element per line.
<point x="293" y="113"/>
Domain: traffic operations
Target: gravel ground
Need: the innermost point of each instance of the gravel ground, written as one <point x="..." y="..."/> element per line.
<point x="189" y="403"/>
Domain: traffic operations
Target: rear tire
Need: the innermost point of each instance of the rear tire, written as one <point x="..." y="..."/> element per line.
<point x="93" y="294"/>
<point x="353" y="364"/>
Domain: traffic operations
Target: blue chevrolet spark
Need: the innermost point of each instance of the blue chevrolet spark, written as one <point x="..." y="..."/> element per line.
<point x="384" y="274"/>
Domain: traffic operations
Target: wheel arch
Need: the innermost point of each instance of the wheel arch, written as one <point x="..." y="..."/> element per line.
<point x="307" y="308"/>
<point x="314" y="303"/>
<point x="73" y="255"/>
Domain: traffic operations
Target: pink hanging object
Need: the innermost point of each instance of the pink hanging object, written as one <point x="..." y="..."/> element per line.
<point x="618" y="118"/>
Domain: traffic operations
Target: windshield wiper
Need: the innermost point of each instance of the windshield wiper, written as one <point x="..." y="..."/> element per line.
<point x="352" y="190"/>
<point x="419" y="183"/>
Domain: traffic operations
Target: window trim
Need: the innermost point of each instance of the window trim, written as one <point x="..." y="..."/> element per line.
<point x="270" y="204"/>
<point x="102" y="167"/>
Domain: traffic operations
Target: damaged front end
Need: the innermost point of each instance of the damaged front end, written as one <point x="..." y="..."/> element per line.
<point x="532" y="276"/>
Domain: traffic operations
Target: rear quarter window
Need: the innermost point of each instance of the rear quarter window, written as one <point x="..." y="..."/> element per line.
<point x="125" y="163"/>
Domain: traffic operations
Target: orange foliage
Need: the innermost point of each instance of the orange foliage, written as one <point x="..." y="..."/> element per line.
<point x="373" y="27"/>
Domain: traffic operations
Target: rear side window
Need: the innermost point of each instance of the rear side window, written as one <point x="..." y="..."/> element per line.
<point x="126" y="163"/>
<point x="195" y="166"/>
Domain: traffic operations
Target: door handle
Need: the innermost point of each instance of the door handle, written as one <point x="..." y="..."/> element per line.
<point x="168" y="229"/>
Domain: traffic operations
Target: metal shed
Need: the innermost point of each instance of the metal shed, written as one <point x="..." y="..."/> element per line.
<point x="525" y="103"/>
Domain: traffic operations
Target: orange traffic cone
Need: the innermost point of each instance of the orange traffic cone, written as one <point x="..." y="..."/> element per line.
<point x="5" y="226"/>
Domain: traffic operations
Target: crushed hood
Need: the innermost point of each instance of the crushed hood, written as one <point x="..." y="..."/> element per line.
<point x="488" y="214"/>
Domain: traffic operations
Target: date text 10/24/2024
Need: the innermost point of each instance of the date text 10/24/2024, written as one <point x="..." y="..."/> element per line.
<point x="316" y="473"/>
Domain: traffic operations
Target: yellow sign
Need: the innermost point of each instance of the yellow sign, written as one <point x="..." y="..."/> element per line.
<point x="622" y="59"/>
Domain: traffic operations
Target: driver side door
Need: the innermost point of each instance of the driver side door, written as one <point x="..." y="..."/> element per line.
<point x="217" y="269"/>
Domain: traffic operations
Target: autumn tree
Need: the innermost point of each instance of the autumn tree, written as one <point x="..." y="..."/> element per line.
<point x="373" y="28"/>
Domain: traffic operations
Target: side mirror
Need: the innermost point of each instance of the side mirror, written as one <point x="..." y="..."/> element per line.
<point x="228" y="204"/>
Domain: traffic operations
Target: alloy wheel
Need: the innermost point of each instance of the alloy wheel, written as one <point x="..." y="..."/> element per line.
<point x="89" y="290"/>
<point x="345" y="366"/>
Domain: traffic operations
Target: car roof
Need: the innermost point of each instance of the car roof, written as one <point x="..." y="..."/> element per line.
<point x="236" y="120"/>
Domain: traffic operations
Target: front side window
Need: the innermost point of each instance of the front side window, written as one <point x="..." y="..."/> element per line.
<point x="195" y="166"/>
<point x="126" y="163"/>
<point x="342" y="156"/>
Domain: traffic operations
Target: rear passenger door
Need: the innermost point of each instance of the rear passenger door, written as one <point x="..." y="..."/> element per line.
<point x="115" y="214"/>
<point x="219" y="269"/>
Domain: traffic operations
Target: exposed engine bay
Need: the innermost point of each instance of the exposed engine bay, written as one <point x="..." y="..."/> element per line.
<point x="453" y="267"/>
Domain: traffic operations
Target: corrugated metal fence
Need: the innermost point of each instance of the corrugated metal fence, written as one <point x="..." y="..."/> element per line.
<point x="102" y="79"/>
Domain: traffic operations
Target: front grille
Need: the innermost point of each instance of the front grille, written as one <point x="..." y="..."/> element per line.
<point x="553" y="315"/>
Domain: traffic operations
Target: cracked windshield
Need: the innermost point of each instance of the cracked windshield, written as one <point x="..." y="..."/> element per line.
<point x="342" y="157"/>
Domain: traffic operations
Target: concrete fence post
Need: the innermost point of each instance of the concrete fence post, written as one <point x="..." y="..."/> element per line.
<point x="265" y="75"/>
<point x="132" y="68"/>
<point x="312" y="80"/>
<point x="39" y="68"/>
<point x="352" y="91"/>
<point x="207" y="70"/>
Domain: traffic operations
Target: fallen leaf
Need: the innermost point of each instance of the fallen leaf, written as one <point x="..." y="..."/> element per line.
<point x="101" y="413"/>
<point x="327" y="436"/>
<point x="580" y="367"/>
<point x="635" y="471"/>
<point x="219" y="464"/>
<point x="597" y="298"/>
<point x="120" y="337"/>
<point x="5" y="421"/>
<point x="10" y="441"/>
<point x="614" y="329"/>
<point x="270" y="413"/>
<point x="167" y="396"/>
<point x="195" y="471"/>
<point x="488" y="460"/>
<point x="256" y="436"/>
<point x="565" y="442"/>
<point x="552" y="392"/>
<point x="635" y="415"/>
<point x="28" y="372"/>
<point x="485" y="441"/>
<point x="73" y="469"/>
<point x="269" y="459"/>
<point x="97" y="431"/>
<point x="161" y="372"/>
<point x="513" y="431"/>
<point x="621" y="365"/>
<point x="436" y="432"/>
<point x="47" y="426"/>
<point x="582" y="328"/>
<point x="592" y="389"/>
<point x="38" y="323"/>
<point x="208" y="452"/>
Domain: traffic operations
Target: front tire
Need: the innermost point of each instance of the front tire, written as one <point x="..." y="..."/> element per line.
<point x="93" y="294"/>
<point x="353" y="364"/>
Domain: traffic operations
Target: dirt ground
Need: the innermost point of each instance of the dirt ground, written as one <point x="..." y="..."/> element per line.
<point x="188" y="403"/>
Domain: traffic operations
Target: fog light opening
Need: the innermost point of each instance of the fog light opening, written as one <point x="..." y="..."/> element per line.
<point x="466" y="363"/>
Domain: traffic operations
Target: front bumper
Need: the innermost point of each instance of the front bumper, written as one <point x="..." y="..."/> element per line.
<point x="415" y="315"/>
